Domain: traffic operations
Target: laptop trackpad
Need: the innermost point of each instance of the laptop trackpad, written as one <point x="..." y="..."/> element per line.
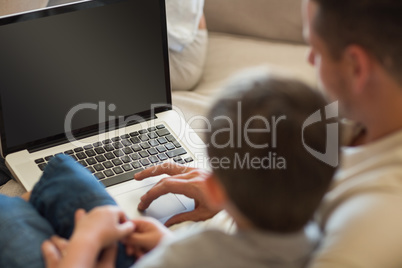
<point x="162" y="208"/>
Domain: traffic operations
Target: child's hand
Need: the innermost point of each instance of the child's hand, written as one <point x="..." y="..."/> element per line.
<point x="95" y="231"/>
<point x="54" y="250"/>
<point x="102" y="225"/>
<point x="147" y="234"/>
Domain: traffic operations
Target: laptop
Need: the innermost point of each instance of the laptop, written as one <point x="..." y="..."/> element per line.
<point x="91" y="80"/>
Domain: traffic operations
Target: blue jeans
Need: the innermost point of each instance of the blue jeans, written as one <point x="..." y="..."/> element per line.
<point x="64" y="187"/>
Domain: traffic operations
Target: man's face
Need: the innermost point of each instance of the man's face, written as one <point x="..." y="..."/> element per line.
<point x="330" y="71"/>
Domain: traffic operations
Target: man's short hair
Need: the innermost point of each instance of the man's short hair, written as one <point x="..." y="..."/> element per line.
<point x="277" y="187"/>
<point x="376" y="25"/>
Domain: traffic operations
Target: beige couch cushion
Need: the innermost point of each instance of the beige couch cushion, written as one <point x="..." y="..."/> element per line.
<point x="229" y="54"/>
<point x="272" y="19"/>
<point x="15" y="6"/>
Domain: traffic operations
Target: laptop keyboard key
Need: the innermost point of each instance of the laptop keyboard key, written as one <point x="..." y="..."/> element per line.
<point x="127" y="167"/>
<point x="40" y="160"/>
<point x="100" y="158"/>
<point x="47" y="158"/>
<point x="145" y="145"/>
<point x="154" y="159"/>
<point x="69" y="152"/>
<point x="91" y="169"/>
<point x="144" y="154"/>
<point x="81" y="155"/>
<point x="152" y="151"/>
<point x="99" y="150"/>
<point x="118" y="153"/>
<point x="127" y="150"/>
<point x="118" y="170"/>
<point x="162" y="132"/>
<point x="108" y="147"/>
<point x="161" y="149"/>
<point x="170" y="146"/>
<point x="108" y="173"/>
<point x="98" y="167"/>
<point x="142" y="131"/>
<point x="97" y="144"/>
<point x="144" y="137"/>
<point x="162" y="157"/>
<point x="79" y="149"/>
<point x="42" y="166"/>
<point x="87" y="147"/>
<point x="90" y="153"/>
<point x="126" y="159"/>
<point x="100" y="175"/>
<point x="91" y="161"/>
<point x="145" y="162"/>
<point x="153" y="143"/>
<point x="126" y="143"/>
<point x="133" y="134"/>
<point x="82" y="162"/>
<point x="135" y="140"/>
<point x="160" y="126"/>
<point x="108" y="164"/>
<point x="117" y="162"/>
<point x="110" y="156"/>
<point x="176" y="152"/>
<point x="135" y="156"/>
<point x="136" y="148"/>
<point x="115" y="139"/>
<point x="136" y="165"/>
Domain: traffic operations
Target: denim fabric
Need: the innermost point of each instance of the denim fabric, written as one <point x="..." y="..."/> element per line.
<point x="64" y="187"/>
<point x="22" y="232"/>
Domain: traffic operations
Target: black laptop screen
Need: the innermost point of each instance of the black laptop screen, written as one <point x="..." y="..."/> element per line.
<point x="90" y="62"/>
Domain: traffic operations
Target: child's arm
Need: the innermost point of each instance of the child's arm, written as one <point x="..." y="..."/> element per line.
<point x="99" y="229"/>
<point x="146" y="236"/>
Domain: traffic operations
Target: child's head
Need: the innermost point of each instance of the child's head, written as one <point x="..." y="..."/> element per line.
<point x="257" y="151"/>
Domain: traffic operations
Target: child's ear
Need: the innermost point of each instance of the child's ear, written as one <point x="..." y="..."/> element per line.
<point x="217" y="194"/>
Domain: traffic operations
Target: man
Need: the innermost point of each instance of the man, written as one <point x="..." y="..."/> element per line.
<point x="356" y="47"/>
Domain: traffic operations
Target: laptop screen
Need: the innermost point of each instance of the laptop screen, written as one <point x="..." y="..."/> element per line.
<point x="80" y="65"/>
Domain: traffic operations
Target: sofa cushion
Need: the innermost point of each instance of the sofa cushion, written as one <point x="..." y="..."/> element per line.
<point x="14" y="6"/>
<point x="272" y="19"/>
<point x="230" y="54"/>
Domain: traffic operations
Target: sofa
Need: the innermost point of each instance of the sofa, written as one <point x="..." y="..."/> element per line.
<point x="242" y="34"/>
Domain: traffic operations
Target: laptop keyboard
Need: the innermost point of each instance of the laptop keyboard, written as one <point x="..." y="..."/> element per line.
<point x="117" y="159"/>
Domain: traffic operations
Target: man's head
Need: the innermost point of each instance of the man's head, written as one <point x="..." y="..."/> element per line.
<point x="356" y="47"/>
<point x="257" y="153"/>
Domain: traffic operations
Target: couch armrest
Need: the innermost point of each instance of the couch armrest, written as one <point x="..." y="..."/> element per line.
<point x="271" y="19"/>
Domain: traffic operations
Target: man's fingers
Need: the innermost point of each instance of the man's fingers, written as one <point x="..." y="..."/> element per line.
<point x="50" y="254"/>
<point x="166" y="168"/>
<point x="179" y="218"/>
<point x="164" y="186"/>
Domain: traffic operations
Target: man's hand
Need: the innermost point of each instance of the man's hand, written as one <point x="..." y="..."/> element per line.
<point x="146" y="236"/>
<point x="183" y="180"/>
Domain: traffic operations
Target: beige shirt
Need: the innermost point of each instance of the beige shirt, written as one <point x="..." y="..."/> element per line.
<point x="362" y="214"/>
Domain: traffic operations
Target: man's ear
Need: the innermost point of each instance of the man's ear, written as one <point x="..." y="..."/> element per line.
<point x="216" y="191"/>
<point x="359" y="66"/>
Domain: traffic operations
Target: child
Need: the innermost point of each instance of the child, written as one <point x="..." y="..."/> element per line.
<point x="261" y="174"/>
